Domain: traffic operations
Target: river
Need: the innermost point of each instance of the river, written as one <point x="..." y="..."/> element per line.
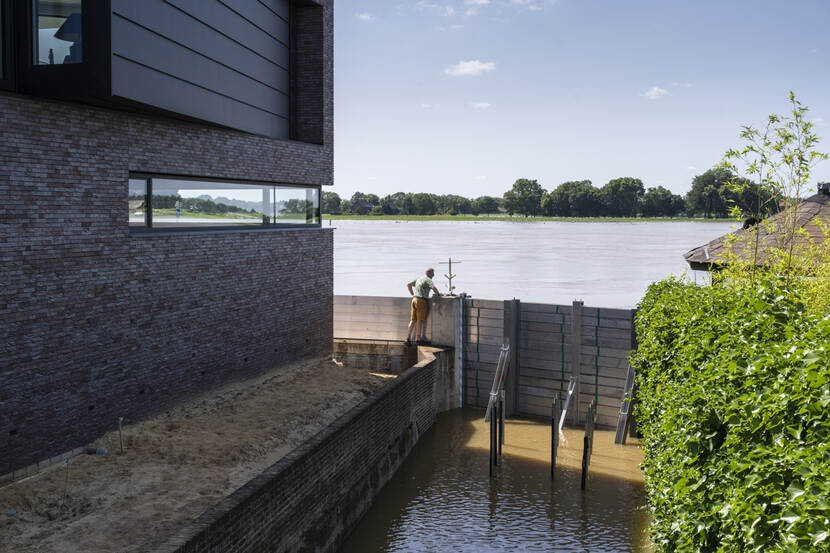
<point x="442" y="499"/>
<point x="603" y="264"/>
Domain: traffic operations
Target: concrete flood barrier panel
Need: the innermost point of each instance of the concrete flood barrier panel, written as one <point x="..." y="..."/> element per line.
<point x="550" y="344"/>
<point x="312" y="498"/>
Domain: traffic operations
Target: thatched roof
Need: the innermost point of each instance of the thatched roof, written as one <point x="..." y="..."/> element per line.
<point x="712" y="255"/>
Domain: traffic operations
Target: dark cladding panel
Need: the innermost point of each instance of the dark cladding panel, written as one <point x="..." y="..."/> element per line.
<point x="222" y="62"/>
<point x="262" y="17"/>
<point x="148" y="86"/>
<point x="151" y="50"/>
<point x="259" y="36"/>
<point x="170" y="22"/>
<point x="280" y="7"/>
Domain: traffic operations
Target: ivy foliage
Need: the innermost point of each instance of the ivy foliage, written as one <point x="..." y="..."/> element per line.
<point x="734" y="406"/>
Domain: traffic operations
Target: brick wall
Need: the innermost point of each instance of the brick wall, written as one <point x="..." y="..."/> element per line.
<point x="96" y="323"/>
<point x="312" y="498"/>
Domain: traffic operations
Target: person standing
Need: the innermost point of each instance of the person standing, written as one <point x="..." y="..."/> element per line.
<point x="419" y="290"/>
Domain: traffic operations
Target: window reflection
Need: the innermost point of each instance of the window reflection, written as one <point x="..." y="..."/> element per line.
<point x="138" y="202"/>
<point x="2" y="40"/>
<point x="187" y="203"/>
<point x="190" y="203"/>
<point x="57" y="32"/>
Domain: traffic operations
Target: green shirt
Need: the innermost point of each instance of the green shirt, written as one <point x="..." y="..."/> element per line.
<point x="423" y="285"/>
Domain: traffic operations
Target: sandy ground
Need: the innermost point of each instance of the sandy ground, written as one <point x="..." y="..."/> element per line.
<point x="178" y="464"/>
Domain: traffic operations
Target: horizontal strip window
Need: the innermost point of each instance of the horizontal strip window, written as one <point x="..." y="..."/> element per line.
<point x="157" y="203"/>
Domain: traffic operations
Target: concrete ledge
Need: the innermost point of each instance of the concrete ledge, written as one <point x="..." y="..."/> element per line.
<point x="311" y="499"/>
<point x="377" y="355"/>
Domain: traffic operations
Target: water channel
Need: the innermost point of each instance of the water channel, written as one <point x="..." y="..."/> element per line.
<point x="442" y="499"/>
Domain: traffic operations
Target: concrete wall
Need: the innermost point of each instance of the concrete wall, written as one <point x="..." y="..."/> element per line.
<point x="97" y="323"/>
<point x="312" y="498"/>
<point x="383" y="356"/>
<point x="387" y="318"/>
<point x="555" y="342"/>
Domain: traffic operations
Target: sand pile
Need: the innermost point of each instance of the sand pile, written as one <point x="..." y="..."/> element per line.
<point x="178" y="464"/>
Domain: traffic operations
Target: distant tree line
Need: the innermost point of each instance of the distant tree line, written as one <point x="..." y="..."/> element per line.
<point x="404" y="203"/>
<point x="202" y="204"/>
<point x="713" y="194"/>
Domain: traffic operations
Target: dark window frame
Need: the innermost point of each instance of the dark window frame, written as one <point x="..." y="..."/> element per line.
<point x="90" y="78"/>
<point x="7" y="80"/>
<point x="148" y="216"/>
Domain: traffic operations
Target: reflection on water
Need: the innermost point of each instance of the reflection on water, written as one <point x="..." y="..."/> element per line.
<point x="604" y="264"/>
<point x="443" y="500"/>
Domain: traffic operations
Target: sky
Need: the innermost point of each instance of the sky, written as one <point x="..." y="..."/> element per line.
<point x="466" y="96"/>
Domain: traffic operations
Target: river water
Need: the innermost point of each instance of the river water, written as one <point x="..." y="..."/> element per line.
<point x="604" y="264"/>
<point x="442" y="499"/>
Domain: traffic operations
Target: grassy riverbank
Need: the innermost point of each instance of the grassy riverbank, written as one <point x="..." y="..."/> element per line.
<point x="520" y="219"/>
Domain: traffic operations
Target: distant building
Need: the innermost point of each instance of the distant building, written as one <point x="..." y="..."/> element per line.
<point x="713" y="255"/>
<point x="161" y="166"/>
<point x="362" y="207"/>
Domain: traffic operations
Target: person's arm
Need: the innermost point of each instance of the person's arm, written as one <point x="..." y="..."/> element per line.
<point x="409" y="286"/>
<point x="435" y="289"/>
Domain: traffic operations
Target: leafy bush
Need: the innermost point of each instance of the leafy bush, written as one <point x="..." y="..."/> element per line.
<point x="734" y="406"/>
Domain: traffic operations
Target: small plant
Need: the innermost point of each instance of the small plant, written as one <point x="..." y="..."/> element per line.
<point x="774" y="167"/>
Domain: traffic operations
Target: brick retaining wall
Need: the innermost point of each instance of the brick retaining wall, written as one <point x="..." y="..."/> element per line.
<point x="311" y="499"/>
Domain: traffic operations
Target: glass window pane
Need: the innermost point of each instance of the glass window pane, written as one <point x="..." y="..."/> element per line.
<point x="138" y="202"/>
<point x="178" y="203"/>
<point x="57" y="32"/>
<point x="297" y="206"/>
<point x="2" y="40"/>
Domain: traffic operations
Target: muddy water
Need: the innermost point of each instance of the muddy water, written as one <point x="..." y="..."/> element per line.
<point x="443" y="500"/>
<point x="604" y="264"/>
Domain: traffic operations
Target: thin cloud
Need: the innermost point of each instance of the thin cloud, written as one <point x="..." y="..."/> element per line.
<point x="365" y="16"/>
<point x="446" y="10"/>
<point x="655" y="93"/>
<point x="819" y="122"/>
<point x="480" y="105"/>
<point x="471" y="68"/>
<point x="532" y="5"/>
<point x="476" y="2"/>
<point x="681" y="85"/>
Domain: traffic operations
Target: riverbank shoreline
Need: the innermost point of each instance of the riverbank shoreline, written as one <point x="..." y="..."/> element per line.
<point x="519" y="219"/>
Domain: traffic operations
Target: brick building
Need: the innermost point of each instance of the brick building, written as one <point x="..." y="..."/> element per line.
<point x="161" y="165"/>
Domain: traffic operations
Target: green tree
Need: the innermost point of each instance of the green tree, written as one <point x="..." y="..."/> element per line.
<point x="331" y="203"/>
<point x="455" y="205"/>
<point x="621" y="197"/>
<point x="660" y="202"/>
<point x="369" y="198"/>
<point x="525" y="198"/>
<point x="485" y="204"/>
<point x="572" y="199"/>
<point x="781" y="157"/>
<point x="710" y="194"/>
<point x="423" y="204"/>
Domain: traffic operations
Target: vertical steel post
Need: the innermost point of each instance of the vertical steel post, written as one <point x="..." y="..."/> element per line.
<point x="492" y="440"/>
<point x="494" y="420"/>
<point x="511" y="329"/>
<point x="501" y="422"/>
<point x="576" y="354"/>
<point x="554" y="432"/>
